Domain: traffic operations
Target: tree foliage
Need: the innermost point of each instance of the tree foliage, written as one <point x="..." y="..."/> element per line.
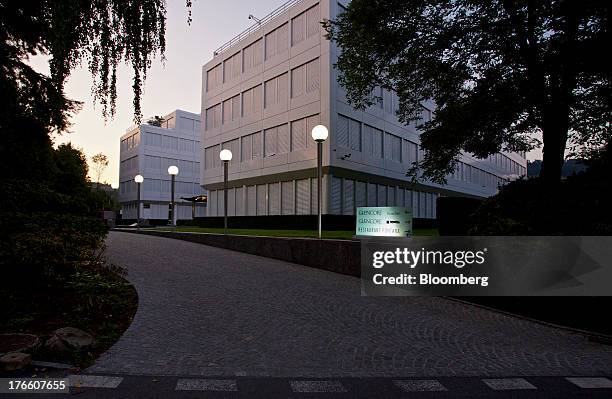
<point x="498" y="71"/>
<point x="100" y="162"/>
<point x="155" y="120"/>
<point x="100" y="34"/>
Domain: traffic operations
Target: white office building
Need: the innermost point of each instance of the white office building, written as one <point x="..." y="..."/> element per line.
<point x="149" y="150"/>
<point x="264" y="90"/>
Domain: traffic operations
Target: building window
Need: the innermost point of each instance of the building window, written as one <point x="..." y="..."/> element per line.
<point x="252" y="146"/>
<point x="234" y="147"/>
<point x="231" y="109"/>
<point x="211" y="157"/>
<point x="277" y="41"/>
<point x="287" y="198"/>
<point x="252" y="55"/>
<point x="300" y="132"/>
<point x="305" y="79"/>
<point x="213" y="78"/>
<point x="349" y="133"/>
<point x="153" y="140"/>
<point x="275" y="91"/>
<point x="231" y="67"/>
<point x="410" y="151"/>
<point x="393" y="148"/>
<point x="251" y="101"/>
<point x="305" y="25"/>
<point x="213" y="117"/>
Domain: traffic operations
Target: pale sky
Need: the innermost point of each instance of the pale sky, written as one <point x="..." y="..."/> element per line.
<point x="177" y="84"/>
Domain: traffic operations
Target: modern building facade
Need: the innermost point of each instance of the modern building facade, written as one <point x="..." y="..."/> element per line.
<point x="264" y="91"/>
<point x="149" y="150"/>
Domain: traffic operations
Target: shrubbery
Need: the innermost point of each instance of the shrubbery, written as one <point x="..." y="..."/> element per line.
<point x="48" y="228"/>
<point x="454" y="214"/>
<point x="578" y="205"/>
<point x="44" y="247"/>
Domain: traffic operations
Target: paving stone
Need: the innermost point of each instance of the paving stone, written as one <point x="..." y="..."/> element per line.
<point x="200" y="305"/>
<point x="186" y="384"/>
<point x="591" y="382"/>
<point x="94" y="381"/>
<point x="419" y="385"/>
<point x="502" y="384"/>
<point x="317" y="386"/>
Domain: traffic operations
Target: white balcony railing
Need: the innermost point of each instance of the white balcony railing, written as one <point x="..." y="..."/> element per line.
<point x="255" y="26"/>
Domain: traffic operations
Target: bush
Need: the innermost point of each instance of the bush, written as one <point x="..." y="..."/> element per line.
<point x="42" y="248"/>
<point x="48" y="226"/>
<point x="578" y="205"/>
<point x="455" y="214"/>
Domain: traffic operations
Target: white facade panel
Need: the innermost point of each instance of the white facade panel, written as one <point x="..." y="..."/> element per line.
<point x="149" y="150"/>
<point x="287" y="87"/>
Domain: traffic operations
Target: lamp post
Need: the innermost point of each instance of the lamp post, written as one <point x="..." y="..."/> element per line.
<point x="226" y="156"/>
<point x="138" y="179"/>
<point x="319" y="134"/>
<point x="172" y="171"/>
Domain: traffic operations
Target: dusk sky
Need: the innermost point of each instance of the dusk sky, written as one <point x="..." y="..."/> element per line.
<point x="175" y="84"/>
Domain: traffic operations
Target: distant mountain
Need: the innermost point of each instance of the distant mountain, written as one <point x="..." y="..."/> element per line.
<point x="570" y="167"/>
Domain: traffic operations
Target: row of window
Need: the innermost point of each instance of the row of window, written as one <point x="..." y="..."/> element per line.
<point x="170" y="143"/>
<point x="303" y="26"/>
<point x="389" y="102"/>
<point x="348" y="194"/>
<point x="161" y="164"/>
<point x="504" y="162"/>
<point x="153" y="210"/>
<point x="471" y="174"/>
<point x="299" y="197"/>
<point x="128" y="165"/>
<point x="130" y="142"/>
<point x="353" y="135"/>
<point x="281" y="139"/>
<point x="161" y="186"/>
<point x="305" y="79"/>
<point x="184" y="123"/>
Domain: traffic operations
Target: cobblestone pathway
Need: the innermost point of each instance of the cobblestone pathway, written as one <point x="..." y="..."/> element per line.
<point x="206" y="311"/>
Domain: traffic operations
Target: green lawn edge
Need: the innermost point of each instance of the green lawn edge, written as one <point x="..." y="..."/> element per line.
<point x="333" y="234"/>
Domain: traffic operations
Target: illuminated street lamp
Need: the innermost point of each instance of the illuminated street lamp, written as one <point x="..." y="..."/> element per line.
<point x="226" y="156"/>
<point x="319" y="134"/>
<point x="138" y="179"/>
<point x="172" y="171"/>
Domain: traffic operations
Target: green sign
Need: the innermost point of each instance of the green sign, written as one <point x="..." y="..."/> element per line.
<point x="384" y="221"/>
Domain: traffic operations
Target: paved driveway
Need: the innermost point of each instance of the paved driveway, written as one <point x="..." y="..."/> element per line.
<point x="207" y="311"/>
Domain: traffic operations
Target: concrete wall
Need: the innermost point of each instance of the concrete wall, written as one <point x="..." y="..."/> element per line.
<point x="340" y="256"/>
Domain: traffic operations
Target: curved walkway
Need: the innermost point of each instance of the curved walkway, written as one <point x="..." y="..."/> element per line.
<point x="206" y="311"/>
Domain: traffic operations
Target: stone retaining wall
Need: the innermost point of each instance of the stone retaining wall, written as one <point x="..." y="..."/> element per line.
<point x="340" y="256"/>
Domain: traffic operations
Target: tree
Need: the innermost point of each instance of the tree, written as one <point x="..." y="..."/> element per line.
<point x="100" y="162"/>
<point x="498" y="71"/>
<point x="70" y="171"/>
<point x="155" y="120"/>
<point x="100" y="34"/>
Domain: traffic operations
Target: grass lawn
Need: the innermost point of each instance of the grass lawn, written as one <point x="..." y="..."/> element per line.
<point x="340" y="234"/>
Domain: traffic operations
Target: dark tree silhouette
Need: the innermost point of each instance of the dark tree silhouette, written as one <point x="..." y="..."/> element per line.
<point x="497" y="70"/>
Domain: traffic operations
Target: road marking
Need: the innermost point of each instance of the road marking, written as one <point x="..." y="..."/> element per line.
<point x="317" y="386"/>
<point x="419" y="385"/>
<point x="94" y="381"/>
<point x="502" y="384"/>
<point x="188" y="384"/>
<point x="590" y="382"/>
